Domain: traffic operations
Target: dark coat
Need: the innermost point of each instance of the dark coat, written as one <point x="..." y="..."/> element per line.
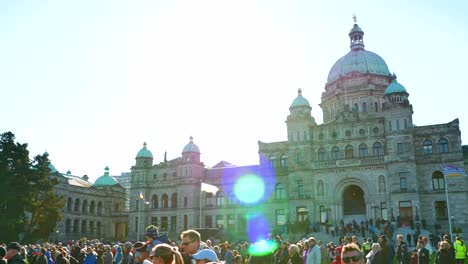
<point x="41" y="260"/>
<point x="444" y="257"/>
<point x="423" y="256"/>
<point x="17" y="259"/>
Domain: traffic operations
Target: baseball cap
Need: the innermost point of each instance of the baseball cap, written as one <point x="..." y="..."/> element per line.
<point x="205" y="254"/>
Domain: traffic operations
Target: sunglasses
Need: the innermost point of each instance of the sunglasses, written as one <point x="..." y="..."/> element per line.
<point x="353" y="259"/>
<point x="186" y="243"/>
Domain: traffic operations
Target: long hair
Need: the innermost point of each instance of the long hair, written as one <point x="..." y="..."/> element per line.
<point x="169" y="254"/>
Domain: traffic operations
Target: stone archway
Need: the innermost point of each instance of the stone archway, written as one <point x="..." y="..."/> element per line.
<point x="353" y="201"/>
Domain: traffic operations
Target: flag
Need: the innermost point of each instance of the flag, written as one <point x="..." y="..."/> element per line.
<point x="453" y="171"/>
<point x="141" y="196"/>
<point x="205" y="187"/>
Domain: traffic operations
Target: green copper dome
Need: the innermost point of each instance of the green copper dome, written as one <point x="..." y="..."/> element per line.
<point x="191" y="147"/>
<point x="300" y="100"/>
<point x="144" y="152"/>
<point x="358" y="60"/>
<point x="105" y="180"/>
<point x="395" y="87"/>
<point x="52" y="168"/>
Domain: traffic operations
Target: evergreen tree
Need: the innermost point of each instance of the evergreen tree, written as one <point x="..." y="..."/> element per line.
<point x="29" y="207"/>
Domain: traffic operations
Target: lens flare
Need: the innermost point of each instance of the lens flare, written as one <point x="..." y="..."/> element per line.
<point x="249" y="189"/>
<point x="258" y="228"/>
<point x="263" y="248"/>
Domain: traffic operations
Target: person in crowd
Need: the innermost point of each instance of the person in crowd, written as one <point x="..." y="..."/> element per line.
<point x="49" y="257"/>
<point x="228" y="256"/>
<point x="127" y="256"/>
<point x="190" y="244"/>
<point x="41" y="258"/>
<point x="90" y="256"/>
<point x="166" y="254"/>
<point x="239" y="260"/>
<point x="282" y="254"/>
<point x="351" y="254"/>
<point x="337" y="253"/>
<point x="141" y="254"/>
<point x="382" y="256"/>
<point x="401" y="243"/>
<point x="294" y="257"/>
<point x="460" y="250"/>
<point x="305" y="251"/>
<point x="324" y="259"/>
<point x="108" y="257"/>
<point x="423" y="253"/>
<point x="13" y="255"/>
<point x="443" y="255"/>
<point x="313" y="256"/>
<point x="62" y="257"/>
<point x="408" y="238"/>
<point x="204" y="256"/>
<point x="118" y="255"/>
<point x="371" y="255"/>
<point x="405" y="255"/>
<point x="366" y="247"/>
<point x="2" y="255"/>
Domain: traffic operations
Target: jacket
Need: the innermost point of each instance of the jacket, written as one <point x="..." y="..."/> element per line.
<point x="314" y="256"/>
<point x="17" y="259"/>
<point x="460" y="250"/>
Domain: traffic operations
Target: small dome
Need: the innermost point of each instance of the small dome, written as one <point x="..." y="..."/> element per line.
<point x="144" y="152"/>
<point x="105" y="180"/>
<point x="395" y="87"/>
<point x="300" y="100"/>
<point x="191" y="147"/>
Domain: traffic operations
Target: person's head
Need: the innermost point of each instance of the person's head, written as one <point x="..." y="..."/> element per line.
<point x="319" y="243"/>
<point x="205" y="256"/>
<point x="420" y="243"/>
<point x="375" y="247"/>
<point x="127" y="247"/>
<point x="351" y="254"/>
<point x="2" y="252"/>
<point x="424" y="239"/>
<point x="293" y="250"/>
<point x="444" y="245"/>
<point x="311" y="242"/>
<point x="140" y="252"/>
<point x="354" y="239"/>
<point x="12" y="249"/>
<point x="165" y="254"/>
<point x="208" y="243"/>
<point x="238" y="259"/>
<point x="190" y="241"/>
<point x="400" y="238"/>
<point x="383" y="240"/>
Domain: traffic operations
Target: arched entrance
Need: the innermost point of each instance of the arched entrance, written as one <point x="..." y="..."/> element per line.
<point x="353" y="201"/>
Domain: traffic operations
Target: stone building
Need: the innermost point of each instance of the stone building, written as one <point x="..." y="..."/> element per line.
<point x="91" y="210"/>
<point x="366" y="160"/>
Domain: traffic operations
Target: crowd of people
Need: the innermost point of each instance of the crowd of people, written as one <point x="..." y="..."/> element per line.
<point x="159" y="249"/>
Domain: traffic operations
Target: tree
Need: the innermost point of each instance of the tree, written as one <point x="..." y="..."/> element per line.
<point x="28" y="203"/>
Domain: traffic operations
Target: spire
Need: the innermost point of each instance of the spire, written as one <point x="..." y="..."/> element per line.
<point x="165" y="156"/>
<point x="106" y="171"/>
<point x="356" y="35"/>
<point x="299" y="92"/>
<point x="191" y="139"/>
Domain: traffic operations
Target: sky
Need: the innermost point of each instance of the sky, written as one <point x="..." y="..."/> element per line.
<point x="89" y="81"/>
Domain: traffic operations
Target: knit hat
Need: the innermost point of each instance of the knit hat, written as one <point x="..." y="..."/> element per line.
<point x="128" y="245"/>
<point x="14" y="245"/>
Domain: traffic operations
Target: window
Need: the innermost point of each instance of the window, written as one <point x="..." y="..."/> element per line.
<point x="220" y="221"/>
<point x="363" y="150"/>
<point x="378" y="149"/>
<point x="390" y="125"/>
<point x="355" y="108"/>
<point x="67" y="226"/>
<point x="443" y="145"/>
<point x="91" y="227"/>
<point x="348" y="133"/>
<point x="208" y="221"/>
<point x="321" y="136"/>
<point x="98" y="228"/>
<point x="284" y="161"/>
<point x="164" y="223"/>
<point x="400" y="148"/>
<point x="174" y="200"/>
<point x="154" y="201"/>
<point x="382" y="186"/>
<point x="272" y="162"/>
<point x="300" y="188"/>
<point x="231" y="222"/>
<point x="441" y="209"/>
<point x="165" y="201"/>
<point x="362" y="132"/>
<point x="280" y="217"/>
<point x="405" y="123"/>
<point x="69" y="204"/>
<point x="349" y="152"/>
<point x="321" y="154"/>
<point x="280" y="192"/>
<point x="323" y="214"/>
<point x="320" y="188"/>
<point x="99" y="208"/>
<point x="220" y="199"/>
<point x="77" y="205"/>
<point x="335" y="153"/>
<point x="154" y="221"/>
<point x="375" y="130"/>
<point x="185" y="201"/>
<point x="427" y="146"/>
<point x="92" y="207"/>
<point x="173" y="223"/>
<point x="398" y="124"/>
<point x="403" y="184"/>
<point x="383" y="211"/>
<point x="185" y="222"/>
<point x="76" y="224"/>
<point x="364" y="107"/>
<point x="438" y="181"/>
<point x="376" y="106"/>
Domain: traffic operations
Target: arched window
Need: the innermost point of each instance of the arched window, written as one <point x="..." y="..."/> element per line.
<point x="67" y="226"/>
<point x="174" y="200"/>
<point x="83" y="227"/>
<point x="378" y="149"/>
<point x="85" y="205"/>
<point x="363" y="150"/>
<point x="92" y="207"/>
<point x="427" y="146"/>
<point x="272" y="161"/>
<point x="99" y="208"/>
<point x="364" y="107"/>
<point x="349" y="152"/>
<point x="165" y="201"/>
<point x="320" y="188"/>
<point x="185" y="222"/>
<point x="280" y="192"/>
<point x="443" y="145"/>
<point x="77" y="205"/>
<point x="321" y="154"/>
<point x="220" y="199"/>
<point x="284" y="161"/>
<point x="438" y="181"/>
<point x="382" y="186"/>
<point x="154" y="201"/>
<point x="335" y="152"/>
<point x="69" y="204"/>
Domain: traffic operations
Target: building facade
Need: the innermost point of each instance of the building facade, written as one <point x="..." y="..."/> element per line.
<point x="367" y="160"/>
<point x="91" y="210"/>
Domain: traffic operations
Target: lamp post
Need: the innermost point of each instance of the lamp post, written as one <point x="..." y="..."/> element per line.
<point x="453" y="227"/>
<point x="57" y="235"/>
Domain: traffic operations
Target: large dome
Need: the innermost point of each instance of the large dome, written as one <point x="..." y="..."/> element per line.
<point x="358" y="60"/>
<point x="300" y="101"/>
<point x="144" y="152"/>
